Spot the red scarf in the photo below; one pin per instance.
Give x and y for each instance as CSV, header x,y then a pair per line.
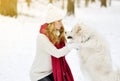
x,y
61,69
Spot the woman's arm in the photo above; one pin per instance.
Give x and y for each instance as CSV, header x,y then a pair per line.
x,y
46,45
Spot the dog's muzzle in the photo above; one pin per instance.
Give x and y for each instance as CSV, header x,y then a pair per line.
x,y
69,37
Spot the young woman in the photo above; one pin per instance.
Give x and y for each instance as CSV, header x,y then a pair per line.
x,y
49,63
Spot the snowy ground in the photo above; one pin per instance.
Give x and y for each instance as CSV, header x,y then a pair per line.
x,y
18,36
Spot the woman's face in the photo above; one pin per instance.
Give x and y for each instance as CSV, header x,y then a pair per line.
x,y
58,24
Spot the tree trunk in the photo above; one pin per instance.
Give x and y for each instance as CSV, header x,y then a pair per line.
x,y
70,7
104,3
63,4
92,0
86,3
28,2
50,1
110,1
8,7
78,3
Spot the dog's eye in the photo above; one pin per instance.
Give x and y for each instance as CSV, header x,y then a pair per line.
x,y
65,32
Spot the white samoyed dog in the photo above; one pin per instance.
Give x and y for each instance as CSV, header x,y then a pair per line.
x,y
94,54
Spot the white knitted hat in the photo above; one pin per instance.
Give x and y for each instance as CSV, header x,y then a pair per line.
x,y
53,14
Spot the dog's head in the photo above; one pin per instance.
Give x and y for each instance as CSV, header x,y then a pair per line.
x,y
79,33
72,35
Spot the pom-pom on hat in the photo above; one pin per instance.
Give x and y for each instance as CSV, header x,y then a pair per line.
x,y
53,14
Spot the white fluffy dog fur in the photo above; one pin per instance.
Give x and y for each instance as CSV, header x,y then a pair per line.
x,y
94,54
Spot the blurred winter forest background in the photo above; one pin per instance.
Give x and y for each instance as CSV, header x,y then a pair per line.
x,y
20,22
10,7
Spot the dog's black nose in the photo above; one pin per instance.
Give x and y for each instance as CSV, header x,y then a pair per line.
x,y
69,37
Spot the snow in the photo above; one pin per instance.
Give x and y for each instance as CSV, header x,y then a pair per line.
x,y
18,37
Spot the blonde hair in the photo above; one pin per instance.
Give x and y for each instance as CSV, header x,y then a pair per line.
x,y
51,33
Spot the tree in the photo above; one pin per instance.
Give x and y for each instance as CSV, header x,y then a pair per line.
x,y
110,1
70,7
92,0
50,1
63,4
8,7
86,3
104,3
78,3
28,2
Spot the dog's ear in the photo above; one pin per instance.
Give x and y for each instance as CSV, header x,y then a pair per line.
x,y
78,29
